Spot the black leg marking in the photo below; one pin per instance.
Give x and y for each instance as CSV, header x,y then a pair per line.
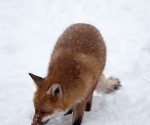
x,y
88,107
69,112
77,121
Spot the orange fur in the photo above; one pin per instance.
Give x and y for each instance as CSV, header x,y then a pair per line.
x,y
76,64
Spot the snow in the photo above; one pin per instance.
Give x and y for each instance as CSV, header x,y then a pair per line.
x,y
28,32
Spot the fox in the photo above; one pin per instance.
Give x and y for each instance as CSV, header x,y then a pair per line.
x,y
75,71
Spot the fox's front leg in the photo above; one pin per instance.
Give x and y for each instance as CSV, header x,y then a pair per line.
x,y
78,112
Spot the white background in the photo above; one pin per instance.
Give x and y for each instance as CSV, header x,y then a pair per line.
x,y
28,32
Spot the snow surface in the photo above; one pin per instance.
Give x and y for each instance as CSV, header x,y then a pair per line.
x,y
28,32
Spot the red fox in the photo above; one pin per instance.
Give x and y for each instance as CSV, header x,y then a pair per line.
x,y
75,71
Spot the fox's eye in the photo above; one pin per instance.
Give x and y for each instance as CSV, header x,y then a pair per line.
x,y
36,110
42,112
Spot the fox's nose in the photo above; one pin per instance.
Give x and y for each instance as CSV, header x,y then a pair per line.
x,y
41,123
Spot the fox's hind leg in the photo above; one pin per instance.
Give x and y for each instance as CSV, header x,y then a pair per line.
x,y
89,102
106,85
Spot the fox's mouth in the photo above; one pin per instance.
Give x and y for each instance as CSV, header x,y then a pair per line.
x,y
43,123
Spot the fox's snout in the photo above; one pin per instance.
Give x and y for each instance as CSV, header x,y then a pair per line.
x,y
41,123
38,122
38,117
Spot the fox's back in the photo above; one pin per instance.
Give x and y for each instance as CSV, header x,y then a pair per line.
x,y
83,38
80,40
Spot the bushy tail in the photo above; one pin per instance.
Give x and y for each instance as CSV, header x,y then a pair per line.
x,y
106,85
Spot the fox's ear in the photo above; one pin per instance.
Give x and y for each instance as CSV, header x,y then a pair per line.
x,y
55,90
38,80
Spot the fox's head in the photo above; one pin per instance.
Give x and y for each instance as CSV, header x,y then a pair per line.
x,y
48,100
